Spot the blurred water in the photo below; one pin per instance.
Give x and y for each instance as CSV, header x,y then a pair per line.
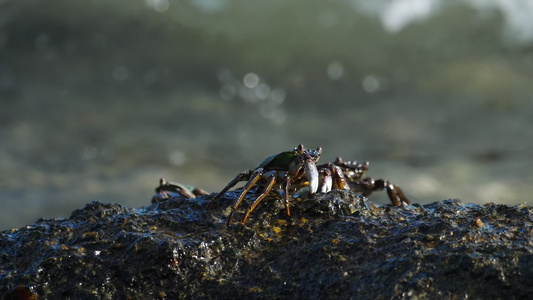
x,y
99,99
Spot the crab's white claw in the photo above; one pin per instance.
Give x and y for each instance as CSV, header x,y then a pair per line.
x,y
312,175
326,184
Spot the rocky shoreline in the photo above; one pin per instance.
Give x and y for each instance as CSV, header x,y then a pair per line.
x,y
335,245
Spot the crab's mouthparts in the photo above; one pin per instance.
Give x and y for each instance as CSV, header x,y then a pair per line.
x,y
312,176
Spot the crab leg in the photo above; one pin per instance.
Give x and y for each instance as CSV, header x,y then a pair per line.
x,y
339,180
369,185
240,177
396,195
270,184
256,175
199,192
287,181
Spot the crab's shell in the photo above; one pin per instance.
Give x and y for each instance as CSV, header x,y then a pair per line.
x,y
278,160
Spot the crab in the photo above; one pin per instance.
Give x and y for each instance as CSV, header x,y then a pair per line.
x,y
295,166
167,190
296,170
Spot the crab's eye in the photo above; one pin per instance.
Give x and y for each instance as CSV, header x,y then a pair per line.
x,y
300,149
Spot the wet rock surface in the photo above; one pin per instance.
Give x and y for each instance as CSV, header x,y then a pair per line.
x,y
334,245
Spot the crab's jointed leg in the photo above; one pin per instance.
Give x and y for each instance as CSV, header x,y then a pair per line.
x,y
286,191
254,178
396,195
368,185
243,176
270,183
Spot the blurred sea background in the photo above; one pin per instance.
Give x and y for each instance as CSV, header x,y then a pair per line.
x,y
101,98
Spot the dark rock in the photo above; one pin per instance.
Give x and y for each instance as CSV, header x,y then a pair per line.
x,y
334,245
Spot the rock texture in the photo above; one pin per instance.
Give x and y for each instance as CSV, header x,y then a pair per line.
x,y
335,245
